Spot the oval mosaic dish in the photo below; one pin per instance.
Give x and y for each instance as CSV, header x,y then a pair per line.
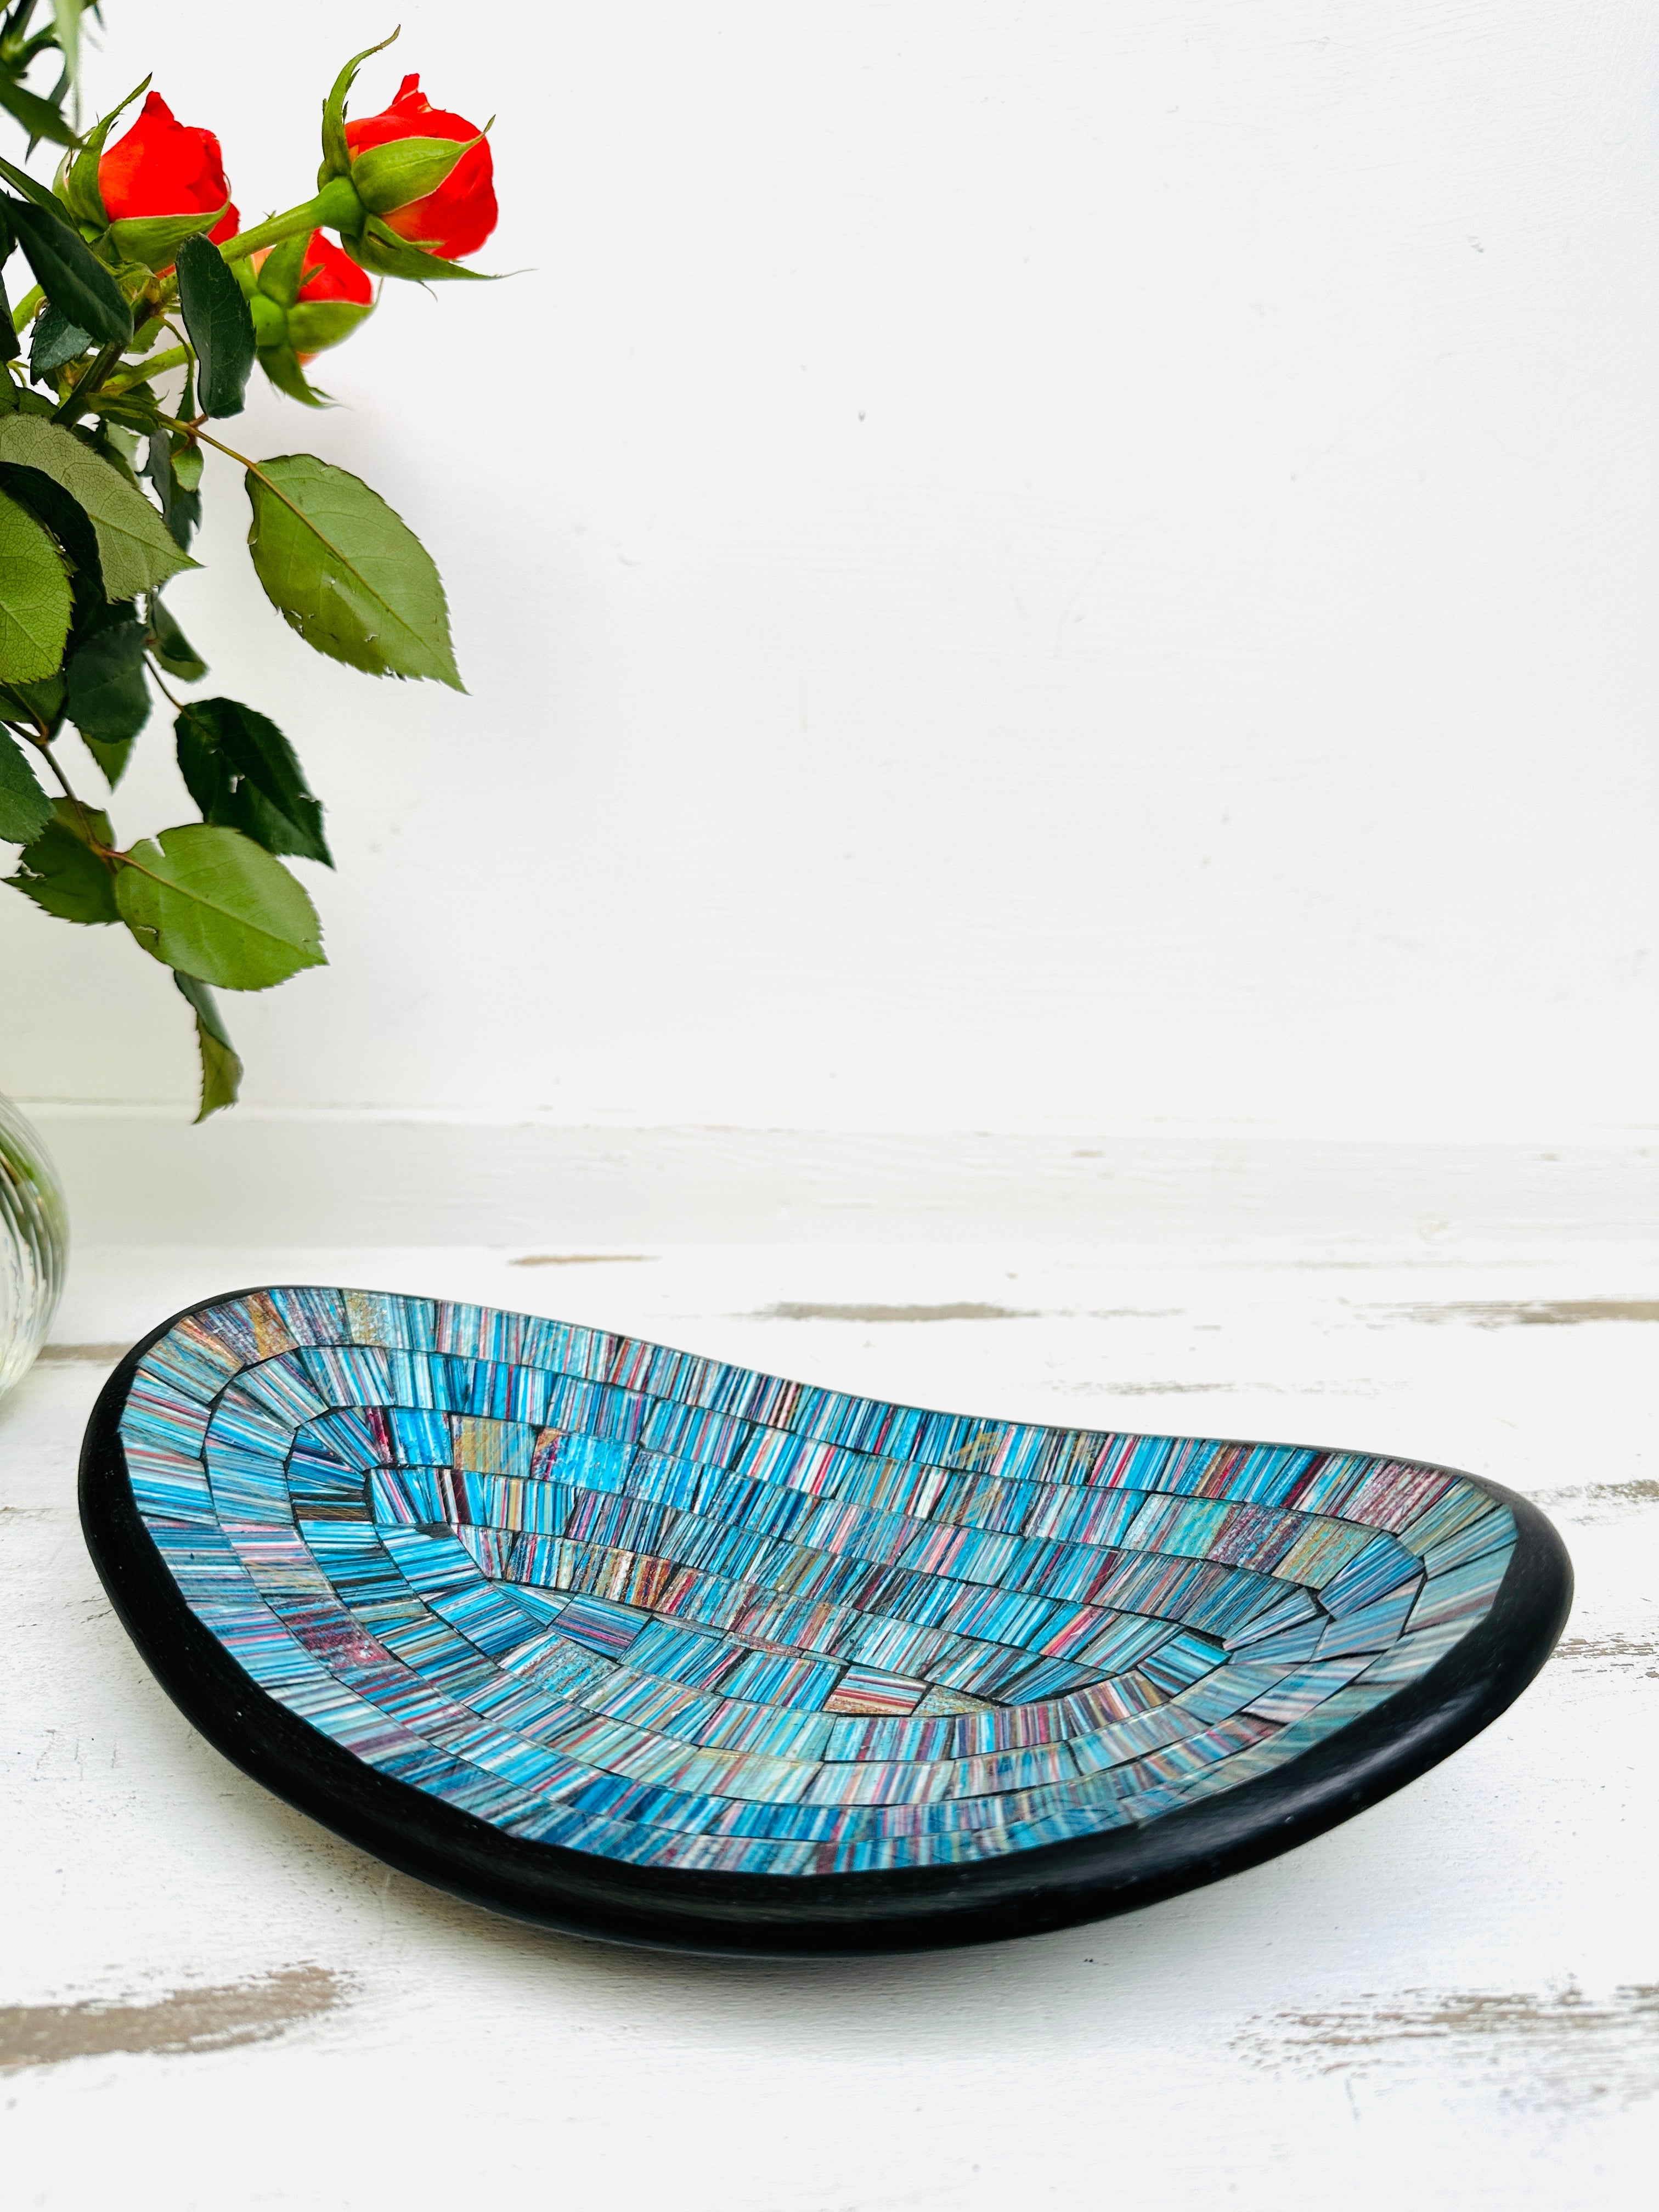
x,y
646,1646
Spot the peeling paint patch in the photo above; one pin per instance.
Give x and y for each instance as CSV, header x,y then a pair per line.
x,y
1173,1389
1539,1313
1609,1651
1592,1502
1556,2051
580,1259
1126,1313
180,2022
966,1311
1358,1386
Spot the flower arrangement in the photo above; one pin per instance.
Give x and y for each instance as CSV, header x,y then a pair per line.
x,y
150,308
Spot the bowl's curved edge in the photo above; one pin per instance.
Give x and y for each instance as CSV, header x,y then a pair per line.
x,y
1055,1886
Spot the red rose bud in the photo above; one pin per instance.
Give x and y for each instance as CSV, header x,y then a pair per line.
x,y
310,268
334,296
308,295
326,273
162,168
448,217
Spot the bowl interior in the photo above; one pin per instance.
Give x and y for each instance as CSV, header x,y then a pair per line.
x,y
663,1610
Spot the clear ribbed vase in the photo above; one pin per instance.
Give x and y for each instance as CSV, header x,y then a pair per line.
x,y
34,1243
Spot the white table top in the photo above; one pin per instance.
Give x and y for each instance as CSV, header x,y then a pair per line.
x,y
1451,2000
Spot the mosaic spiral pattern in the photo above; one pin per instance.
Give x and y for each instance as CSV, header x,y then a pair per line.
x,y
611,1596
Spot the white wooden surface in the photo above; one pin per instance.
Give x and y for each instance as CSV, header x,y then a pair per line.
x,y
1452,2002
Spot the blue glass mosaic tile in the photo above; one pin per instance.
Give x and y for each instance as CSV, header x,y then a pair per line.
x,y
622,1601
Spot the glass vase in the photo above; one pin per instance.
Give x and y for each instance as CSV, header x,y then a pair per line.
x,y
34,1243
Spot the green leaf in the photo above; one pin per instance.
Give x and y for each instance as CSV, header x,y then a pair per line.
x,y
383,253
221,1070
345,571
244,775
25,810
108,696
168,643
55,340
220,326
64,269
10,347
38,117
78,178
392,176
40,702
337,154
111,755
153,240
210,902
135,551
65,521
119,448
169,461
62,873
35,598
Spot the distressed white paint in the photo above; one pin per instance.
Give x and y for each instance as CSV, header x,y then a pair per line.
x,y
1039,561
1447,2002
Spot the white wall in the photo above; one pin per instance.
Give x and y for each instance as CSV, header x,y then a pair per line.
x,y
1016,565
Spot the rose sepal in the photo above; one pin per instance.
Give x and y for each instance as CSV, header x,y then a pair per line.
x,y
77,173
152,241
313,325
281,365
404,170
270,320
383,253
337,154
281,273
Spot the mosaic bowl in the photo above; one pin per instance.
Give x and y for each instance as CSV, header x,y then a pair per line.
x,y
641,1646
